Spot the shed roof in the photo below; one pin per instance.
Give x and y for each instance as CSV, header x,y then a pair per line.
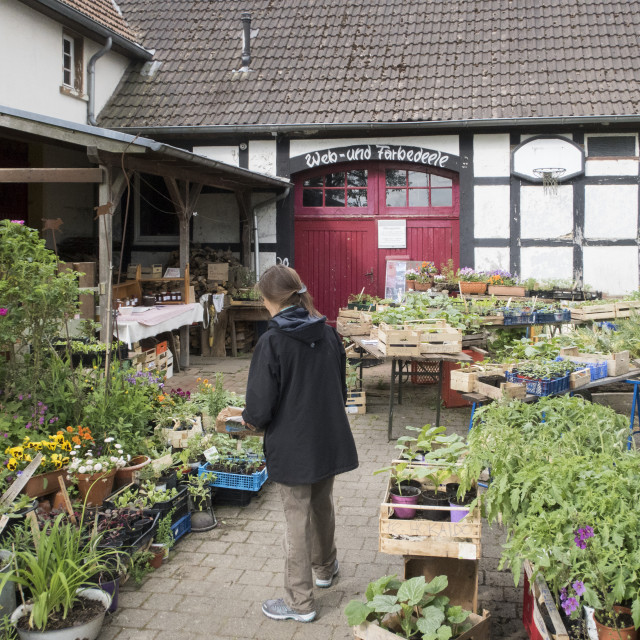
x,y
106,13
357,61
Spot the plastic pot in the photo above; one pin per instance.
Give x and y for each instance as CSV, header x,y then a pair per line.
x,y
8,593
87,631
437,500
410,495
112,587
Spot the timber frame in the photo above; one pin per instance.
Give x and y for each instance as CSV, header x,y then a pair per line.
x,y
117,157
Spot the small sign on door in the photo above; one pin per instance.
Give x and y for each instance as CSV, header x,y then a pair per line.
x,y
392,234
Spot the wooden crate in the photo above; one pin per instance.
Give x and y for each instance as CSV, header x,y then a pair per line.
x,y
421,537
507,390
579,378
437,336
347,327
594,312
626,307
462,575
536,598
617,363
481,630
465,379
179,439
356,402
353,314
395,340
492,320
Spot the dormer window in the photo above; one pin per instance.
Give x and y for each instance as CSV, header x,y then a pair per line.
x,y
72,65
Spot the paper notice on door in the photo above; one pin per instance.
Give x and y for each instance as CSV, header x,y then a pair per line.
x,y
467,551
392,234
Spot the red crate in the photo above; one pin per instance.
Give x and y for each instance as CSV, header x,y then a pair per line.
x,y
424,372
161,347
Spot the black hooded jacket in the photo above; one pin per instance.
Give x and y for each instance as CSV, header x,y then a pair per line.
x,y
297,392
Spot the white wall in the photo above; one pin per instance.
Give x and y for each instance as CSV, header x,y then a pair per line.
x,y
262,156
491,258
31,54
613,270
546,263
491,155
491,211
611,211
230,155
544,215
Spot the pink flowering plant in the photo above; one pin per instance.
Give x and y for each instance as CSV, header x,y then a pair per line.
x,y
467,274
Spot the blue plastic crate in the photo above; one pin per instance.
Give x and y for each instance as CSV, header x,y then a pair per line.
x,y
598,370
540,387
226,480
182,527
519,318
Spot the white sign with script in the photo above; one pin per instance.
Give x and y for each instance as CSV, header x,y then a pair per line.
x,y
392,234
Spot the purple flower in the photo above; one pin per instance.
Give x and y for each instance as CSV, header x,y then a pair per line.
x,y
17,221
3,311
580,543
28,425
563,594
39,403
41,421
578,587
6,435
20,397
570,605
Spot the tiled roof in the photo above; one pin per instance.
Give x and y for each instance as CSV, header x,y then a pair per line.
x,y
104,12
335,61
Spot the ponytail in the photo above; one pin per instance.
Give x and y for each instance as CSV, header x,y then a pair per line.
x,y
283,286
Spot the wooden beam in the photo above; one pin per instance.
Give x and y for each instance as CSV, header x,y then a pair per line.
x,y
50,174
105,230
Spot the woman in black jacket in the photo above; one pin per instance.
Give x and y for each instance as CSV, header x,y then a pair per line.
x,y
297,392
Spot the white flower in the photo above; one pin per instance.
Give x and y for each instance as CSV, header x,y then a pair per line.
x,y
113,459
109,440
98,467
77,446
117,446
82,470
73,453
128,457
90,454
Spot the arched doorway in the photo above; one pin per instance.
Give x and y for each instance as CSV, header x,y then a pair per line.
x,y
336,230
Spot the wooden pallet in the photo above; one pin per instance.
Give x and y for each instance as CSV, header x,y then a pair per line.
x,y
625,308
594,312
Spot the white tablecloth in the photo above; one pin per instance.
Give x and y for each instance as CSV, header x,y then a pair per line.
x,y
144,322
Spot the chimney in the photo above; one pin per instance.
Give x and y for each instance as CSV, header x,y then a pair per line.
x,y
246,40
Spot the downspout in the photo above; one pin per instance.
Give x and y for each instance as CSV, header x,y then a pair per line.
x,y
91,80
256,239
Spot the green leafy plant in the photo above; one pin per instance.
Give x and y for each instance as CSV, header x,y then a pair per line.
x,y
61,561
409,608
164,535
7,630
139,566
199,489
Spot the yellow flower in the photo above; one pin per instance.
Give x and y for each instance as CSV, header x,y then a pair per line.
x,y
50,445
36,446
17,452
27,458
66,446
12,465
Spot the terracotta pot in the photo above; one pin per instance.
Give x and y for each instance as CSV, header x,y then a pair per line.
x,y
127,475
410,285
423,286
610,633
473,287
45,483
158,551
94,488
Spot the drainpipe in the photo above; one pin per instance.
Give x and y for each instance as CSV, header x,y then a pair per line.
x,y
91,79
256,239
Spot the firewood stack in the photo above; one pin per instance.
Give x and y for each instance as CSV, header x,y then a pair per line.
x,y
199,257
245,337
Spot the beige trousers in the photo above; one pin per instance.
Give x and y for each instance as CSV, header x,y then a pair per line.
x,y
308,540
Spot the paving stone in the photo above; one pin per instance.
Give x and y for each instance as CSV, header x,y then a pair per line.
x,y
132,618
162,602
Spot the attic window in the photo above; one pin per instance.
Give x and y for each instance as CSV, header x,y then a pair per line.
x,y
611,146
72,64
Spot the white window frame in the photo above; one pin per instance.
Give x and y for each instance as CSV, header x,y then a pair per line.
x,y
66,38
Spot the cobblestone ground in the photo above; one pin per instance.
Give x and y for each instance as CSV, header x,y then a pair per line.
x,y
214,583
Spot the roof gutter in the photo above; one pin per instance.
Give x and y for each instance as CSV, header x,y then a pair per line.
x,y
64,10
312,127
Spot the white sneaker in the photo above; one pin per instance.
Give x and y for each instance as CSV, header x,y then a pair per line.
x,y
325,584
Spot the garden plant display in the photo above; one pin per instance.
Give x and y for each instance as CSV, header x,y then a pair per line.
x,y
564,483
410,609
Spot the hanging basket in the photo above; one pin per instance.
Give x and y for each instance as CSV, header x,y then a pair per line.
x,y
477,288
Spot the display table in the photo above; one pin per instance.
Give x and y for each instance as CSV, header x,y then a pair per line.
x,y
400,372
134,323
245,312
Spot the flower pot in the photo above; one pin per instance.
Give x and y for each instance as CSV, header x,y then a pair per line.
x,y
18,517
410,495
423,286
87,631
469,497
158,551
45,483
503,290
477,288
112,587
127,475
611,633
410,285
203,517
432,499
94,488
8,592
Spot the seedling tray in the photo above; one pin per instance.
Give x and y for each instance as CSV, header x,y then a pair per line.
x,y
226,480
540,387
180,503
598,370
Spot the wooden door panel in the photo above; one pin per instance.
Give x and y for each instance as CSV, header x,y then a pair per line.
x,y
333,258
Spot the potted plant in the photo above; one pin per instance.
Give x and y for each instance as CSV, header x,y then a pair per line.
x,y
409,609
94,474
502,283
203,517
410,278
163,540
471,281
56,571
424,277
400,490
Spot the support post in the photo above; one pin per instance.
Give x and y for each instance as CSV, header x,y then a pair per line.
x,y
105,267
243,198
